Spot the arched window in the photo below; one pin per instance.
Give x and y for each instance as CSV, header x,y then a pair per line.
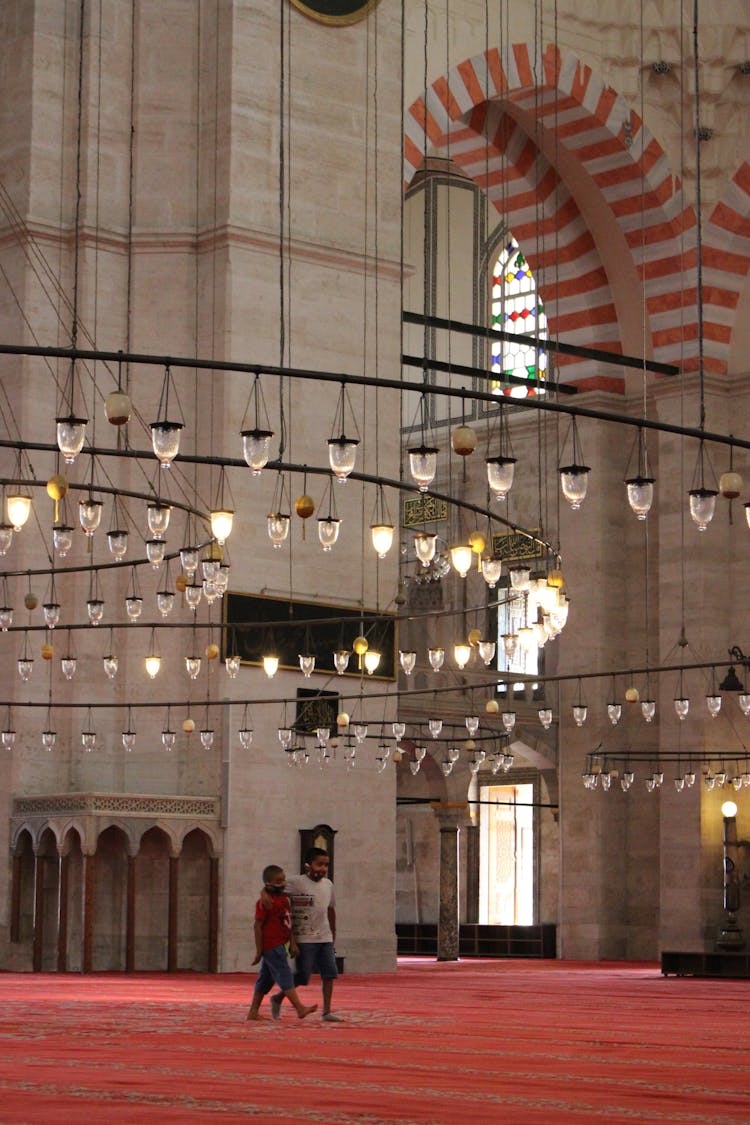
x,y
516,307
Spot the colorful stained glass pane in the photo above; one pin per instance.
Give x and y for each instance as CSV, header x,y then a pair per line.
x,y
516,308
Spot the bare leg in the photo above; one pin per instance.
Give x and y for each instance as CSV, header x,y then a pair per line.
x,y
301,1009
327,995
253,1014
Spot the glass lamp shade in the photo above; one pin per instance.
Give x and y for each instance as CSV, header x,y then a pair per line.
x,y
168,739
520,578
209,569
491,571
472,724
420,752
425,543
88,740
436,657
165,438
117,541
270,666
285,736
189,560
462,654
210,591
341,660
221,524
232,664
546,596
165,602
461,559
25,667
71,433
157,516
8,738
453,754
510,644
133,608
702,506
328,532
306,664
382,538
51,611
447,768
744,701
193,595
68,664
408,661
614,713
423,465
62,539
207,738
435,727
19,509
221,578
713,703
399,730
640,495
89,514
500,471
6,618
342,453
360,732
682,706
6,538
246,737
574,481
256,445
48,739
278,528
508,720
579,714
128,740
153,664
155,552
193,666
545,717
486,650
323,733
527,638
648,709
111,664
372,661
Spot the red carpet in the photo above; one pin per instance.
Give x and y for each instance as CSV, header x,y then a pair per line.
x,y
474,1041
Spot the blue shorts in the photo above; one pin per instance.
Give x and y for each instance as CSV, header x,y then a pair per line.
x,y
315,957
274,969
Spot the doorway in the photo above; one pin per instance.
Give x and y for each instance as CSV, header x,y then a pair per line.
x,y
506,855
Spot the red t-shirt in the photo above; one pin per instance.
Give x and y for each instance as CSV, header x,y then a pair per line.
x,y
276,919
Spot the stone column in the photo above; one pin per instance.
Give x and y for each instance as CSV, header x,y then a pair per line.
x,y
174,877
130,917
447,943
62,913
472,873
213,917
15,899
38,912
89,861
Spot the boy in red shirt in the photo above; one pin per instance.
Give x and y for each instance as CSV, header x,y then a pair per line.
x,y
273,929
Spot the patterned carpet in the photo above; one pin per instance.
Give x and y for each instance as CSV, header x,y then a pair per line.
x,y
472,1041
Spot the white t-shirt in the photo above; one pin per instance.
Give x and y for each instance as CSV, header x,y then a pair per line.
x,y
310,901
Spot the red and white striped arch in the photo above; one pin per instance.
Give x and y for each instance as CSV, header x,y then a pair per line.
x,y
471,111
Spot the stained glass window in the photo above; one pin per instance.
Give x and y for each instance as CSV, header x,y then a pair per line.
x,y
516,307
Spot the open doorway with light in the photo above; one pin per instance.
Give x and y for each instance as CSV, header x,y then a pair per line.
x,y
506,855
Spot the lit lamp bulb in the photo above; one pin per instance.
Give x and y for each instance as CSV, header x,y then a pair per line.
x,y
425,543
462,654
728,809
520,578
382,538
19,509
255,448
640,495
461,559
71,433
372,660
270,666
423,465
153,664
221,524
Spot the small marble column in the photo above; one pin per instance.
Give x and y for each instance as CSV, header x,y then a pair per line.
x,y
39,865
213,917
89,863
447,944
62,912
130,917
174,879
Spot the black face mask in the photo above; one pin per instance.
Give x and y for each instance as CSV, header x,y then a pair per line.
x,y
275,890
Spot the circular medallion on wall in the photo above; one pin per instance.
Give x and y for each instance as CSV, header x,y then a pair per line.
x,y
335,11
